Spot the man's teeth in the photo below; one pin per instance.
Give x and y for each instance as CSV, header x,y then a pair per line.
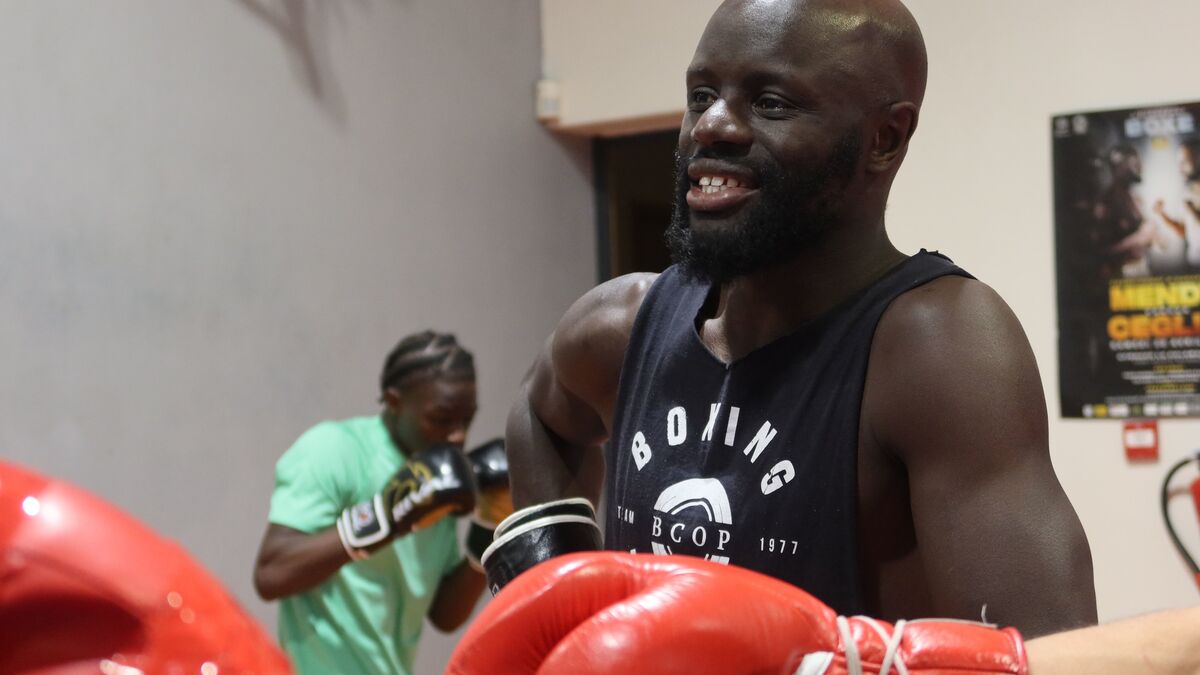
x,y
712,184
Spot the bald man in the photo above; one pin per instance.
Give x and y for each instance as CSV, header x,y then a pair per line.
x,y
795,395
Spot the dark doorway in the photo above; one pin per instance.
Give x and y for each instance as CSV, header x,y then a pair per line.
x,y
635,185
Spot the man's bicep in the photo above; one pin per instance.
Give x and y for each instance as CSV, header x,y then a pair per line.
x,y
1006,547
565,408
278,537
553,439
571,417
966,415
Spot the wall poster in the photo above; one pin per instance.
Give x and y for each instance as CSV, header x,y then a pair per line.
x,y
1127,238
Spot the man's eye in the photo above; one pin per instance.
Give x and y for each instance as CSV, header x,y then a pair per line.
x,y
772,104
701,98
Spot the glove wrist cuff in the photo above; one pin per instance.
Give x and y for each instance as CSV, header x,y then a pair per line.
x,y
364,526
536,534
574,506
354,554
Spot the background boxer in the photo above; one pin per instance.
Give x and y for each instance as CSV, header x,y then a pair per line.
x,y
796,396
375,490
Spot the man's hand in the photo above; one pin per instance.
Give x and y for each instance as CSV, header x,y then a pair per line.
x,y
431,485
493,503
489,464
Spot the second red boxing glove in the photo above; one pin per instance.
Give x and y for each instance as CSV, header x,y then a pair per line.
x,y
607,612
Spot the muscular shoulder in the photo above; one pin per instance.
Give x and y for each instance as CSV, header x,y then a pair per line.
x,y
591,338
947,308
951,354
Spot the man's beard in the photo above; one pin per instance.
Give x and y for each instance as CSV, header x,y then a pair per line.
x,y
794,210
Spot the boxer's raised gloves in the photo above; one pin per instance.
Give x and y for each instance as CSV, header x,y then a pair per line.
x,y
609,612
493,501
433,483
536,534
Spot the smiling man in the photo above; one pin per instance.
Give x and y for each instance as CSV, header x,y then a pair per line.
x,y
795,395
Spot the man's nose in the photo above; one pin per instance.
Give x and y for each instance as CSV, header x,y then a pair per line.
x,y
720,124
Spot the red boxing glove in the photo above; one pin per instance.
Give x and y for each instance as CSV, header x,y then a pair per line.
x,y
85,588
607,612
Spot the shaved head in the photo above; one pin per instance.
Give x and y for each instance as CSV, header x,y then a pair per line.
x,y
799,116
877,41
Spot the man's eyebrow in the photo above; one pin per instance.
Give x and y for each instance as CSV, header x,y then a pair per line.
x,y
765,71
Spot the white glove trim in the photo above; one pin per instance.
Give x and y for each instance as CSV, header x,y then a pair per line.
x,y
501,540
517,515
815,663
354,553
350,541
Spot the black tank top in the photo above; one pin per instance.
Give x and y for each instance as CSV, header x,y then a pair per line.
x,y
752,463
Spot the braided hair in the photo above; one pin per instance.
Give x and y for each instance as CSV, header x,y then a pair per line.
x,y
425,355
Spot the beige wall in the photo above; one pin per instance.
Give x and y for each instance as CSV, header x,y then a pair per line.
x,y
976,185
619,60
216,218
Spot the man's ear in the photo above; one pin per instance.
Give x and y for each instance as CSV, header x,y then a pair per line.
x,y
392,400
892,136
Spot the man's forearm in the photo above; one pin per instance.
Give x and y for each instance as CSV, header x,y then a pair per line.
x,y
292,562
456,597
1164,643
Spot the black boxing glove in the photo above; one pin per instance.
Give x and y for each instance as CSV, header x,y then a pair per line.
x,y
538,533
432,484
489,464
493,502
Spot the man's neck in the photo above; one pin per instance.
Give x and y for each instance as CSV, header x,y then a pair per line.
x,y
390,425
756,309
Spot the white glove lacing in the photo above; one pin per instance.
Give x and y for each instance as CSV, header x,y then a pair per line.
x,y
890,657
817,663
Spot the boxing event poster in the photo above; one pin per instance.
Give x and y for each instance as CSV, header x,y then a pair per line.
x,y
1127,235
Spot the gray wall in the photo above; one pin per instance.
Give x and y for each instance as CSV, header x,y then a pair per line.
x,y
216,217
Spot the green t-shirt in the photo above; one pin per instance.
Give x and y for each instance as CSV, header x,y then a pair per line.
x,y
367,617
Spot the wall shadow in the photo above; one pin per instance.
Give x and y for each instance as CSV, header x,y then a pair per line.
x,y
303,27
